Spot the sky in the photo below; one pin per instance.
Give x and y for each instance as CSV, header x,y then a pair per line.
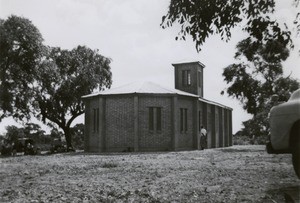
x,y
129,32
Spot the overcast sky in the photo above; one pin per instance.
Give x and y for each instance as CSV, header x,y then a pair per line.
x,y
129,32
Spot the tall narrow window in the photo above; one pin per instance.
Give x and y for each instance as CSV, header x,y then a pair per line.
x,y
189,82
155,119
183,120
199,79
186,78
151,118
158,119
199,121
96,120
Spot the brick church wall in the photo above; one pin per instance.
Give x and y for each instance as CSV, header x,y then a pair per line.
x,y
154,140
91,138
122,120
119,123
185,139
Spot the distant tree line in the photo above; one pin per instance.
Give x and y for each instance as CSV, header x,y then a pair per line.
x,y
39,136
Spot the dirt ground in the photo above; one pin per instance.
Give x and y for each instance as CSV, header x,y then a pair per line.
x,y
234,174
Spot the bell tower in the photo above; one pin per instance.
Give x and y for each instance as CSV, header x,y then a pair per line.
x,y
189,77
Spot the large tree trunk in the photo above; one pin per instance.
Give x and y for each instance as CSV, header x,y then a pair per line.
x,y
68,137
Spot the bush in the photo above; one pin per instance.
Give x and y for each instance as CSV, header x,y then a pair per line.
x,y
241,140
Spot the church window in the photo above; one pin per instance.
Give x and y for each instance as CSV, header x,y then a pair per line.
x,y
183,120
155,118
186,78
199,79
96,120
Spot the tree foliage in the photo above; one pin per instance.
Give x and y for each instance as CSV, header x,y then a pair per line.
x,y
78,136
55,133
34,131
63,78
258,74
13,133
200,19
21,49
43,81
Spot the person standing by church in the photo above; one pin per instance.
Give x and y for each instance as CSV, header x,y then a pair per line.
x,y
203,138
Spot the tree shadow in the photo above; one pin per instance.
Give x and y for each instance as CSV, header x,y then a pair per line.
x,y
230,150
290,194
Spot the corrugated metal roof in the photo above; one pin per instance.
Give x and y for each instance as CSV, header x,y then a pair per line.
x,y
150,88
141,87
214,103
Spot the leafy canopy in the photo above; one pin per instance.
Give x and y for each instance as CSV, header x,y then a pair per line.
x,y
21,49
254,78
63,77
258,74
43,81
200,19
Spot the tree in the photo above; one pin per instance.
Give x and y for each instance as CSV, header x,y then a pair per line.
x,y
46,82
20,52
55,133
34,131
78,135
13,133
257,75
200,19
63,78
258,71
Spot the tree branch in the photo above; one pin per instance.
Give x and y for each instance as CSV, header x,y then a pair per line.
x,y
73,117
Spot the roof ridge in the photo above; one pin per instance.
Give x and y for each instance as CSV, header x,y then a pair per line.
x,y
142,83
142,87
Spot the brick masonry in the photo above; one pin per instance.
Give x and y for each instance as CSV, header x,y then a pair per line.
x,y
154,140
196,71
123,121
185,139
91,137
117,124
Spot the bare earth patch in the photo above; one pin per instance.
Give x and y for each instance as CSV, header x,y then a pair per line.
x,y
234,174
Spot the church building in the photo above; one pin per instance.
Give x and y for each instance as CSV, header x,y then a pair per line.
x,y
145,116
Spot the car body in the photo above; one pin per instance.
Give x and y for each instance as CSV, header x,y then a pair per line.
x,y
284,128
282,118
